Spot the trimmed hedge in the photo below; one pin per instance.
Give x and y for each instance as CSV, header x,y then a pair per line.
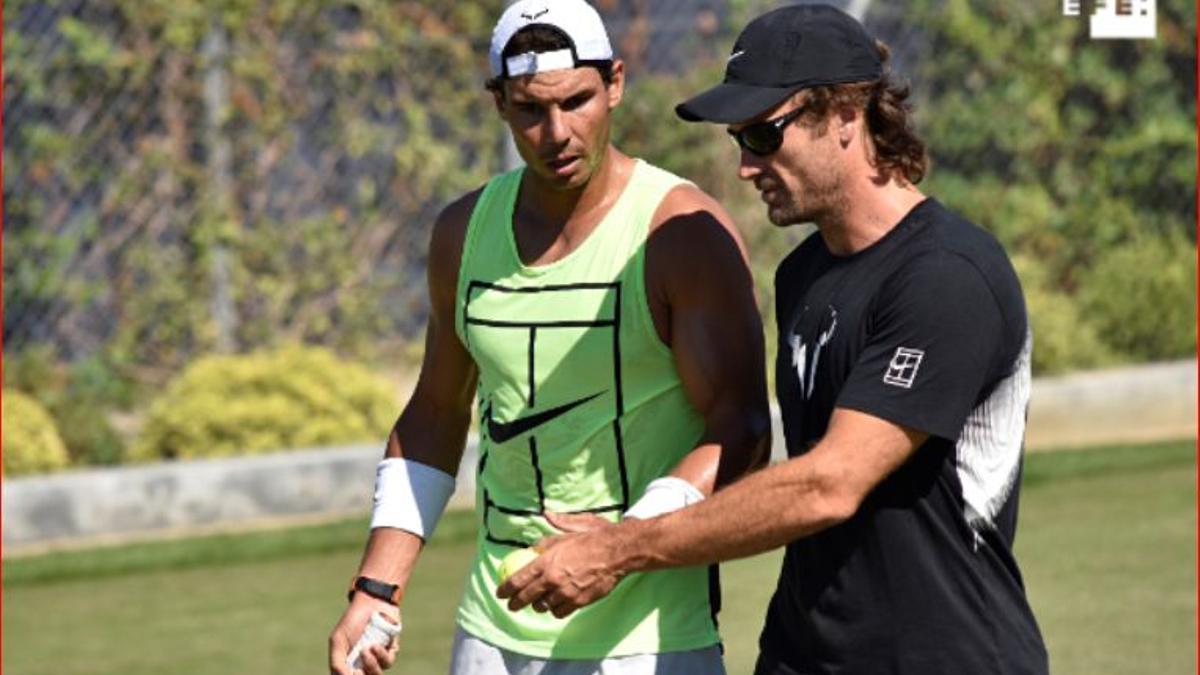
x,y
32,443
1062,339
1141,296
274,400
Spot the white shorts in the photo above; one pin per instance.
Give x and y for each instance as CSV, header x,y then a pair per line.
x,y
472,656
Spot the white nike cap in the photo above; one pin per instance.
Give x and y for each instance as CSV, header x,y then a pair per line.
x,y
578,20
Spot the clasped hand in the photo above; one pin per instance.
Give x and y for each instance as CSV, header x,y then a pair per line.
x,y
573,569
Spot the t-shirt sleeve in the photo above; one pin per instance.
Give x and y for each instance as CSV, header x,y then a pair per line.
x,y
935,330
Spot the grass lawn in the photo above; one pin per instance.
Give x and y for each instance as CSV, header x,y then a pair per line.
x,y
1107,542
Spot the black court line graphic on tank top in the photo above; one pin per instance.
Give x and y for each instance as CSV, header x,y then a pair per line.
x,y
503,431
531,397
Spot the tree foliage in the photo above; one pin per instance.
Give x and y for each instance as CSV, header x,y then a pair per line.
x,y
307,146
1079,154
312,148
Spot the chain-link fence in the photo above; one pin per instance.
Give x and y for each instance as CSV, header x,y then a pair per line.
x,y
190,178
193,176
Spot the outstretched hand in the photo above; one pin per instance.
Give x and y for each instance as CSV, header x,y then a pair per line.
x,y
573,569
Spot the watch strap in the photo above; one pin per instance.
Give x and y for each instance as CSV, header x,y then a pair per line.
x,y
375,588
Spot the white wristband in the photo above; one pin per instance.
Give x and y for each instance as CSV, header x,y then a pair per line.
x,y
664,495
410,496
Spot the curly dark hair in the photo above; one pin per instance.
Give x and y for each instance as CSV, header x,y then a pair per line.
x,y
899,152
542,38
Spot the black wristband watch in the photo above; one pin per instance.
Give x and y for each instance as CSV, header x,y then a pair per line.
x,y
376,589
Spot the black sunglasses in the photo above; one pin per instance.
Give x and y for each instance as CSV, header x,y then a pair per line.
x,y
764,138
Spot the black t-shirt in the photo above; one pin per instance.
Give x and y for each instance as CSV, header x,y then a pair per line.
x,y
926,328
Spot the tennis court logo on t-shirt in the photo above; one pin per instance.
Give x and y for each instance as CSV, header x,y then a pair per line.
x,y
903,368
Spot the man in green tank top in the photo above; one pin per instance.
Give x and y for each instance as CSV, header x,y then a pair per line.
x,y
601,312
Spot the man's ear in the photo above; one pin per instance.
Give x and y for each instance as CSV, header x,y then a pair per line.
x,y
849,120
616,88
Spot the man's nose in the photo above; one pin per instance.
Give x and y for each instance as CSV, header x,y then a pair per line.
x,y
749,165
555,126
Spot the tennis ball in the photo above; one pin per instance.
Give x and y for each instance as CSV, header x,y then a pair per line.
x,y
515,561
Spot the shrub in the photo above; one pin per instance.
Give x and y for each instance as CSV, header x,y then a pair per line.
x,y
80,396
1141,295
1062,339
289,398
31,441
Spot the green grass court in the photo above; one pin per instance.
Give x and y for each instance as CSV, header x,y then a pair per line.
x,y
1106,540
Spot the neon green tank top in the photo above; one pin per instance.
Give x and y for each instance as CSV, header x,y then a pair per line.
x,y
580,408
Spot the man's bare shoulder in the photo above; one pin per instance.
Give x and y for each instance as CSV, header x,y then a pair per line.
x,y
453,220
688,218
685,199
447,239
450,226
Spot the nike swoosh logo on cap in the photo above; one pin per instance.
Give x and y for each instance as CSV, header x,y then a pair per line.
x,y
503,431
735,55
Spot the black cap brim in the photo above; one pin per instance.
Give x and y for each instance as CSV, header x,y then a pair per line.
x,y
732,103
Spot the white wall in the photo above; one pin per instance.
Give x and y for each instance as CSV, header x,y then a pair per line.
x,y
1156,402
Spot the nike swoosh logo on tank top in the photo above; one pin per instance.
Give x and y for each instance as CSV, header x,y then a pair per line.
x,y
503,431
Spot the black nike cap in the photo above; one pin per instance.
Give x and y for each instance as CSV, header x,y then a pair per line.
x,y
782,52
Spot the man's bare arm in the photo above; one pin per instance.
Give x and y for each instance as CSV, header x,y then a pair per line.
x,y
433,427
699,278
431,430
778,505
760,512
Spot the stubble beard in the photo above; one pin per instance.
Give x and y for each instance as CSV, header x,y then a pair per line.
x,y
818,198
786,214
810,206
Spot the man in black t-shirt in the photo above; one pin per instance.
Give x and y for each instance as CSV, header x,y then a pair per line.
x,y
903,377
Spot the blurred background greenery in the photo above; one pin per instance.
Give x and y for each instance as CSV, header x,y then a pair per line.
x,y
202,177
